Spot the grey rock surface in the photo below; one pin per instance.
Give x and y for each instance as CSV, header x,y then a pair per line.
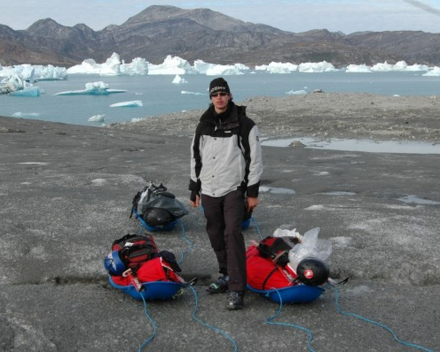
x,y
66,194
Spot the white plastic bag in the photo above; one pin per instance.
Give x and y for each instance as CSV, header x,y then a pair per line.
x,y
310,246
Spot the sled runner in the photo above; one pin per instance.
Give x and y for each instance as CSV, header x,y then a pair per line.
x,y
154,290
293,294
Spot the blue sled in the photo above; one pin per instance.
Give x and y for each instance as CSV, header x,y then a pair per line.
x,y
166,227
291,294
152,291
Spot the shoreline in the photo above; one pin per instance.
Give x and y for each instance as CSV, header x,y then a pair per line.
x,y
321,116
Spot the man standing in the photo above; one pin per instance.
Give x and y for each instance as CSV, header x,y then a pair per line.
x,y
226,166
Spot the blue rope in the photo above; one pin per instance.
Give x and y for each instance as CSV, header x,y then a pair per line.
x,y
206,324
153,335
373,322
257,227
190,244
268,321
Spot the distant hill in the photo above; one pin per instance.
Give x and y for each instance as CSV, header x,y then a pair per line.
x,y
203,34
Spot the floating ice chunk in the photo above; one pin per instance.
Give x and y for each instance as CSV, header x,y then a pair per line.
x,y
433,72
138,66
312,67
137,119
171,65
27,92
358,69
297,92
224,70
278,67
127,104
113,66
25,114
179,80
97,118
93,88
192,93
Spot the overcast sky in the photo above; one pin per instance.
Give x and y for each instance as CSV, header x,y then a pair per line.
x,y
347,16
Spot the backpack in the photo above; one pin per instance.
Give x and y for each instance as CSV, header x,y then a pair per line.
x,y
264,274
131,251
157,206
156,269
275,248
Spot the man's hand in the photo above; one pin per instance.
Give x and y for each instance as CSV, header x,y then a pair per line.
x,y
252,203
194,199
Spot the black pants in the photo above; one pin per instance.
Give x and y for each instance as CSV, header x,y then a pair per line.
x,y
224,216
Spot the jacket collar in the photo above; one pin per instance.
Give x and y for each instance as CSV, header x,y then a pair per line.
x,y
226,120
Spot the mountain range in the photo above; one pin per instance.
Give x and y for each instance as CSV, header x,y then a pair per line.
x,y
213,37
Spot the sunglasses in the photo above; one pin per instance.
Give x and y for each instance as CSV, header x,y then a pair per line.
x,y
217,94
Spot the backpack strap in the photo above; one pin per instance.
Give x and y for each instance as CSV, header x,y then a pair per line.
x,y
134,203
268,277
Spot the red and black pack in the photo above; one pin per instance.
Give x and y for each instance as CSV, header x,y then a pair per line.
x,y
275,248
135,249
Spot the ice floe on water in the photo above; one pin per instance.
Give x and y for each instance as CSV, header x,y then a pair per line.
x,y
127,104
179,80
93,88
97,118
191,93
358,145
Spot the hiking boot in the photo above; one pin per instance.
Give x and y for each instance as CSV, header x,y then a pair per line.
x,y
236,300
220,286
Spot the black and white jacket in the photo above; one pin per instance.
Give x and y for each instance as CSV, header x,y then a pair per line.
x,y
226,153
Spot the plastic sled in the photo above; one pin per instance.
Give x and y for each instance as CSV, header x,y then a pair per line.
x,y
245,224
291,294
154,290
167,227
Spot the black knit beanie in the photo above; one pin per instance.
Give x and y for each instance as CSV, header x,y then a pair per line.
x,y
218,85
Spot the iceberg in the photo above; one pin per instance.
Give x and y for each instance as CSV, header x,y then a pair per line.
x,y
226,70
96,118
278,67
171,66
33,73
312,67
25,114
127,104
27,92
191,93
297,92
93,88
18,86
433,72
174,65
113,66
138,66
358,69
201,66
179,80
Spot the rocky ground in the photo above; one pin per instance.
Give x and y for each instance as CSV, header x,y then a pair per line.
x,y
323,116
66,194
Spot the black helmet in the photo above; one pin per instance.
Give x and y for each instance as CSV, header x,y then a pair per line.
x,y
312,271
157,217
